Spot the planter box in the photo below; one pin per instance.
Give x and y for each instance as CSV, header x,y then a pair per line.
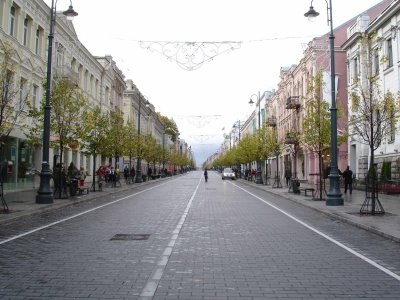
x,y
271,122
290,140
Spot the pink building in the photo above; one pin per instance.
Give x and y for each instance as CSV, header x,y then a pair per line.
x,y
290,100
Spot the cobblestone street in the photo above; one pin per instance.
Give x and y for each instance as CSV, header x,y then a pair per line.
x,y
183,238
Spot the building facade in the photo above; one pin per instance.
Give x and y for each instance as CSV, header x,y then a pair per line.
x,y
373,50
25,25
286,107
289,104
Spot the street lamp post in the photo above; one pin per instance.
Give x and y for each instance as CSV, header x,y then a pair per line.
x,y
139,177
163,154
334,196
45,193
258,175
236,125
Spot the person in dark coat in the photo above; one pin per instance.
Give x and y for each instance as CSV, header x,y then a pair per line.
x,y
348,180
288,175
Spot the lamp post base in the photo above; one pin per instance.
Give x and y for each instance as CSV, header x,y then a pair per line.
x,y
258,175
139,178
334,196
334,200
45,193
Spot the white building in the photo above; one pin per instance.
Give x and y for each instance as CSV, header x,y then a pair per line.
x,y
25,25
383,50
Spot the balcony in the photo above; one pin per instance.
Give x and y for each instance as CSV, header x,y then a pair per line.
x,y
271,122
66,72
291,138
293,102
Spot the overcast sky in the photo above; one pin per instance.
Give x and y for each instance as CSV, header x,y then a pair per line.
x,y
272,34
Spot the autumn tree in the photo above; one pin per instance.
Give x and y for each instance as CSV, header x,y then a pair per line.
x,y
248,149
93,135
316,125
116,137
170,127
131,147
14,96
274,146
151,150
68,104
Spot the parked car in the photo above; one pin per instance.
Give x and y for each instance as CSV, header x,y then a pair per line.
x,y
228,173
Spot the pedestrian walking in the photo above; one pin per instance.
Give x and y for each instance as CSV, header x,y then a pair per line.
x,y
126,172
112,177
82,176
288,175
348,180
205,175
101,176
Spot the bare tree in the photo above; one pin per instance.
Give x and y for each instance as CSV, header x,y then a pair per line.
x,y
375,114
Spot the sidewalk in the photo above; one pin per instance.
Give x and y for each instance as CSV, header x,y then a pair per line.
x,y
22,204
387,225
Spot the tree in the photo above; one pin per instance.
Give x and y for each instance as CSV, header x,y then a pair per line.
x,y
14,96
68,104
93,135
374,114
316,125
247,149
130,148
265,144
170,127
117,136
150,150
275,147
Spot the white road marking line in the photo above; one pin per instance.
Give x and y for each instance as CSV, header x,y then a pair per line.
x,y
75,216
359,255
152,283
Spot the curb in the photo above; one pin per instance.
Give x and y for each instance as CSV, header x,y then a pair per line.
x,y
336,216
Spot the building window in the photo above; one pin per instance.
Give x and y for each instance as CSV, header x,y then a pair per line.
x,y
22,94
389,49
35,96
25,41
376,62
7,84
355,68
12,20
392,128
37,42
107,96
91,92
85,81
60,55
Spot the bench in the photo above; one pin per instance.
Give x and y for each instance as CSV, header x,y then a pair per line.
x,y
82,189
308,190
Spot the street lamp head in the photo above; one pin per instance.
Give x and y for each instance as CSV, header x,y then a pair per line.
x,y
251,102
70,13
311,14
